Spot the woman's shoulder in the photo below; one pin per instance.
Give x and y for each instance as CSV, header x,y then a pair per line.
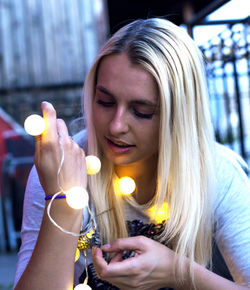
x,y
229,160
232,181
231,212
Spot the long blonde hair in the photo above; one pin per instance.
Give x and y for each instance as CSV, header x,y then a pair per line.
x,y
185,165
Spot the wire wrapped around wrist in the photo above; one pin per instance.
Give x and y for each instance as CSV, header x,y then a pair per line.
x,y
82,232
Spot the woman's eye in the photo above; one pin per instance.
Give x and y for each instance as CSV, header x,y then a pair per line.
x,y
143,115
105,103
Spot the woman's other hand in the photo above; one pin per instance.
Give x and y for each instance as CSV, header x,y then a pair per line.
x,y
48,155
150,268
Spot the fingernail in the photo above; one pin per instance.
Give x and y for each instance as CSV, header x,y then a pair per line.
x,y
107,246
48,105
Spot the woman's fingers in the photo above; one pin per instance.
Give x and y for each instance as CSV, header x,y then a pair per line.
x,y
118,257
117,267
98,261
54,146
49,115
62,129
126,244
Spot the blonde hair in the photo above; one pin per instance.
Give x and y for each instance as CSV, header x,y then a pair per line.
x,y
185,164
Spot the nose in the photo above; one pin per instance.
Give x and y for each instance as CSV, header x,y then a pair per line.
x,y
119,123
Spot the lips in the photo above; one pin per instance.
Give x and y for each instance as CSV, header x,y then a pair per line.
x,y
118,146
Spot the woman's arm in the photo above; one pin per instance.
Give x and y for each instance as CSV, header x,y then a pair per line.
x,y
51,265
232,215
152,267
207,280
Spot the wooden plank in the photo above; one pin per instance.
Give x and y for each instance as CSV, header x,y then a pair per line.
x,y
15,24
34,29
90,39
21,44
28,43
68,70
2,74
7,64
75,40
42,56
54,33
49,43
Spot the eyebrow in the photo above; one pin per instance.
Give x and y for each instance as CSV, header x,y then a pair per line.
x,y
137,101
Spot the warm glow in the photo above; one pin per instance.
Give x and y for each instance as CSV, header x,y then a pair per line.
x,y
77,197
34,125
161,215
90,234
77,256
126,185
82,287
93,164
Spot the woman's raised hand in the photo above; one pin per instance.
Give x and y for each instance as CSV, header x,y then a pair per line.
x,y
150,268
48,155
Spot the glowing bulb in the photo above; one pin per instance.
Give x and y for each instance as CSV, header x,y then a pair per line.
x,y
162,214
82,287
77,197
93,164
77,256
34,125
126,185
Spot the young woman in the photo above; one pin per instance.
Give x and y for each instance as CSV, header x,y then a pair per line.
x,y
147,114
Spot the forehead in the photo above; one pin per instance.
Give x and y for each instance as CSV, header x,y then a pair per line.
x,y
122,78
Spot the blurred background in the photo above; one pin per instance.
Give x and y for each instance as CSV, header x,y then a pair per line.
x,y
46,49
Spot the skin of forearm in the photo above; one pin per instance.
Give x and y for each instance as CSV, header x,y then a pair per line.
x,y
52,263
207,280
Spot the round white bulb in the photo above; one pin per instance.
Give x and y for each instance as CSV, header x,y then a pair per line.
x,y
126,185
77,197
82,287
93,164
34,125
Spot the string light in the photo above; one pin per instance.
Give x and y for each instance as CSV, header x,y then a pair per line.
x,y
77,197
160,215
82,287
126,185
34,125
93,164
77,256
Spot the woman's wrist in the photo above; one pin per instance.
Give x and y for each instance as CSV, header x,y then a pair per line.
x,y
63,214
181,274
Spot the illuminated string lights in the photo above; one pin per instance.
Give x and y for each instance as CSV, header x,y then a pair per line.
x,y
126,185
82,287
93,164
34,125
77,255
161,214
77,197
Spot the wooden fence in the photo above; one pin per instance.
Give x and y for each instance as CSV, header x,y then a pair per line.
x,y
46,48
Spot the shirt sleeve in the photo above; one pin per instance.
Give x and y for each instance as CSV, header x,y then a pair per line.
x,y
232,217
32,217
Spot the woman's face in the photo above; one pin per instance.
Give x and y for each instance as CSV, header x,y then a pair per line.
x,y
126,111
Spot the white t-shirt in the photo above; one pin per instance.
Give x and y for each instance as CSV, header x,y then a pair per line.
x,y
231,213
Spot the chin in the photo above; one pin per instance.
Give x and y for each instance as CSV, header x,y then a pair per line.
x,y
120,160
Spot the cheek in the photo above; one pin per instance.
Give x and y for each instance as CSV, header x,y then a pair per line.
x,y
155,135
100,119
96,119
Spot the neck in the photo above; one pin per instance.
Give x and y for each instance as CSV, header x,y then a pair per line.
x,y
144,174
